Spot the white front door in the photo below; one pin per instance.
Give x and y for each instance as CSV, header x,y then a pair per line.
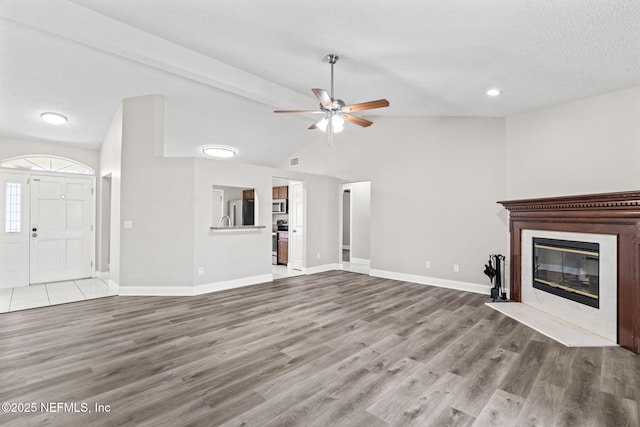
x,y
296,226
61,228
14,235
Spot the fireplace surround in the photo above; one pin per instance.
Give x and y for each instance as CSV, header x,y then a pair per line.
x,y
616,214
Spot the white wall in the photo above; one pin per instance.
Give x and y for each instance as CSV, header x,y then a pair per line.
x,y
230,255
157,196
237,255
433,198
583,147
110,165
168,201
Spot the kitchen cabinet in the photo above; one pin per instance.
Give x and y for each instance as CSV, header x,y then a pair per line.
x,y
248,195
283,247
280,192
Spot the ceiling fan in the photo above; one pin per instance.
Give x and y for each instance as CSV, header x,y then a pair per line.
x,y
334,111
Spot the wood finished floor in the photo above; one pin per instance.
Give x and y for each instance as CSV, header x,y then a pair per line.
x,y
328,349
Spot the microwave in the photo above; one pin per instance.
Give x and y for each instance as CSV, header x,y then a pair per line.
x,y
279,206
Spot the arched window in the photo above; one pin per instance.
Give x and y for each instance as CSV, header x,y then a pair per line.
x,y
47,164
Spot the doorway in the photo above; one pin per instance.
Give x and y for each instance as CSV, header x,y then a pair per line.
x,y
346,225
104,249
288,231
355,233
48,221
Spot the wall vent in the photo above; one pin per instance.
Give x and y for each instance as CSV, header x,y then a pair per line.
x,y
294,161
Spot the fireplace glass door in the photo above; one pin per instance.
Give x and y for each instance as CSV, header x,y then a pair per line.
x,y
567,269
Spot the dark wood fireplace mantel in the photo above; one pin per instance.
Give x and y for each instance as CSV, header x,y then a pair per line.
x,y
607,213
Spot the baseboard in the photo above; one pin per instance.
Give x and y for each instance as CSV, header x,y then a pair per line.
x,y
113,286
204,288
231,284
360,261
104,275
321,268
164,291
433,281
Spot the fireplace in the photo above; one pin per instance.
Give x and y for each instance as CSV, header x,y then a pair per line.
x,y
613,216
568,269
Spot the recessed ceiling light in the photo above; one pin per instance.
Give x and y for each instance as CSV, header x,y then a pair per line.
x,y
219,151
54,118
493,92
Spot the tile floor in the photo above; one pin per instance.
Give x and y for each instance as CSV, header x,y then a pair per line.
x,y
281,271
13,299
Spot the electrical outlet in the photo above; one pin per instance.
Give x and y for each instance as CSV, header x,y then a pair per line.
x,y
456,268
200,271
428,264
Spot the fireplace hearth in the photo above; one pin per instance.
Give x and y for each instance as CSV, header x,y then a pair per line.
x,y
612,214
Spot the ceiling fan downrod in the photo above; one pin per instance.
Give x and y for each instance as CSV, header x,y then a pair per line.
x,y
332,58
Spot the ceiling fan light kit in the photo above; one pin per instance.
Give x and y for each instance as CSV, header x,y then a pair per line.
x,y
335,111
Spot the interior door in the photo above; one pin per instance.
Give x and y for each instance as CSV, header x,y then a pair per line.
x,y
297,226
61,228
14,235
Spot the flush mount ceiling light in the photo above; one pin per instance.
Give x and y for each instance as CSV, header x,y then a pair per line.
x,y
219,151
53,118
493,92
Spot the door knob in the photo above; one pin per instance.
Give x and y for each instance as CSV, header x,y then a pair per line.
x,y
34,235
34,229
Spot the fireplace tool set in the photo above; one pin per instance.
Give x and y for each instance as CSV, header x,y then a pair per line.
x,y
498,291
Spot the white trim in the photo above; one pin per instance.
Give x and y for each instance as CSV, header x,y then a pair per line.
x,y
360,261
433,281
113,285
102,275
126,290
194,290
321,268
346,247
355,267
231,284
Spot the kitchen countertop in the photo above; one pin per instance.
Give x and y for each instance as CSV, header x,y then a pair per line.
x,y
237,227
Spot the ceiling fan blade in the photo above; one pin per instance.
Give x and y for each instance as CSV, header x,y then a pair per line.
x,y
323,97
357,120
298,111
379,103
315,124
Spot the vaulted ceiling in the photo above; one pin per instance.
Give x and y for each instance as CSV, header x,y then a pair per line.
x,y
223,66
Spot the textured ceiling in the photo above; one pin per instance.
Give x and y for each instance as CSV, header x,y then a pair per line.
x,y
223,66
